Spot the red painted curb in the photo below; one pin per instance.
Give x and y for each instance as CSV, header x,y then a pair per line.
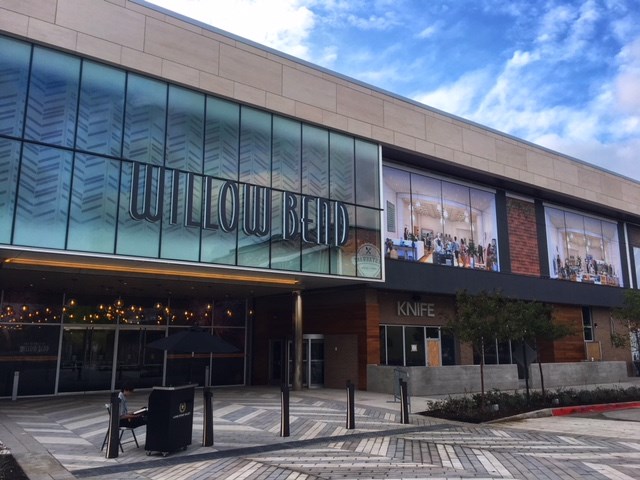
x,y
600,407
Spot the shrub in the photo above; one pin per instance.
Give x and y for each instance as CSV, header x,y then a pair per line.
x,y
468,408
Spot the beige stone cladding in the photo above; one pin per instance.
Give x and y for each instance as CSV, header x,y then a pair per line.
x,y
144,38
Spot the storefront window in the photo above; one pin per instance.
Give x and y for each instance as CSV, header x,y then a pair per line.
x,y
416,346
394,341
582,249
440,222
31,350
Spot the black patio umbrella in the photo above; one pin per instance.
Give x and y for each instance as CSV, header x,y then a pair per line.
x,y
193,340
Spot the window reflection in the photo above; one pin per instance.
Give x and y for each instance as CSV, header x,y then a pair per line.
x,y
582,249
435,221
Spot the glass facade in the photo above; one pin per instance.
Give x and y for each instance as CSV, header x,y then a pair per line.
x,y
440,222
416,346
111,162
582,248
61,344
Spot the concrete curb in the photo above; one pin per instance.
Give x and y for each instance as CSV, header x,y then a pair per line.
x,y
561,411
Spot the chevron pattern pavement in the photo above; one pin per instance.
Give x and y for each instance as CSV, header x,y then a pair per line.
x,y
247,444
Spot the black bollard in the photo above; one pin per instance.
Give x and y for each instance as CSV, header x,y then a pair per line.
x,y
404,402
207,418
113,436
284,420
351,417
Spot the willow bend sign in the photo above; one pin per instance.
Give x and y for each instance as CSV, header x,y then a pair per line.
x,y
226,205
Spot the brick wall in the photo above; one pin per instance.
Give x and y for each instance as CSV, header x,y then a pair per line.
x,y
523,237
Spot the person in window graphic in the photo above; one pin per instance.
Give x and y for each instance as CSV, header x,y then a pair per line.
x,y
129,420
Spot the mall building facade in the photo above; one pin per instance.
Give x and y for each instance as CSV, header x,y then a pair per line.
x,y
158,174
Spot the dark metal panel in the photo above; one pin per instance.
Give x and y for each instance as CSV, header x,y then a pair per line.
x,y
625,253
420,278
504,250
543,248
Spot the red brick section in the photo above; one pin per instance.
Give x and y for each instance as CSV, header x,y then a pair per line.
x,y
523,237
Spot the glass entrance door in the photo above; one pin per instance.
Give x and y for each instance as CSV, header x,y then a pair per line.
x,y
312,361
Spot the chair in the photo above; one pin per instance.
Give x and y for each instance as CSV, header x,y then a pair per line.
x,y
122,430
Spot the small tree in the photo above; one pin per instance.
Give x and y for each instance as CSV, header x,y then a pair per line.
x,y
479,318
530,321
629,315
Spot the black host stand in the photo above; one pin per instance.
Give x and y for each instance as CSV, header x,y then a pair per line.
x,y
169,419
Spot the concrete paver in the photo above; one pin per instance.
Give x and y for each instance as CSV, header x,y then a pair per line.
x,y
60,438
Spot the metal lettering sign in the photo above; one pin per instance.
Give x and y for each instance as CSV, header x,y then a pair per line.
x,y
415,309
316,220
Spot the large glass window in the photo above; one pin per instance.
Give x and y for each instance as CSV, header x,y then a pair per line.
x,y
416,346
222,133
440,222
92,222
342,168
101,109
140,193
582,248
31,350
367,174
14,71
149,169
9,164
43,197
145,120
53,98
255,147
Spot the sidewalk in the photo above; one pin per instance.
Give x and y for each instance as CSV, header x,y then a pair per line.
x,y
60,438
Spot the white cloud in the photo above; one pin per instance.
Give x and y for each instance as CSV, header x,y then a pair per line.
x,y
284,25
627,83
457,97
373,22
428,32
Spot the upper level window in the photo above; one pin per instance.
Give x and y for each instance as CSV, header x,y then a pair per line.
x,y
582,249
633,234
436,221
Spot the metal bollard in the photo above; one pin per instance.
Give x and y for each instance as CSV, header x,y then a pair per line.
x,y
284,418
404,402
16,381
351,417
207,418
113,437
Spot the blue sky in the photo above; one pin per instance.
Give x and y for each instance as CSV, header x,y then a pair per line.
x,y
561,74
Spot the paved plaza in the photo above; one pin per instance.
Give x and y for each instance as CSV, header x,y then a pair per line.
x,y
60,438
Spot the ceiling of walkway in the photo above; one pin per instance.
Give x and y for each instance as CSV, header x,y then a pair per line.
x,y
77,275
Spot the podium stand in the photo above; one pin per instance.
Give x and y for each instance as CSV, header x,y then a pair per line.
x,y
169,419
